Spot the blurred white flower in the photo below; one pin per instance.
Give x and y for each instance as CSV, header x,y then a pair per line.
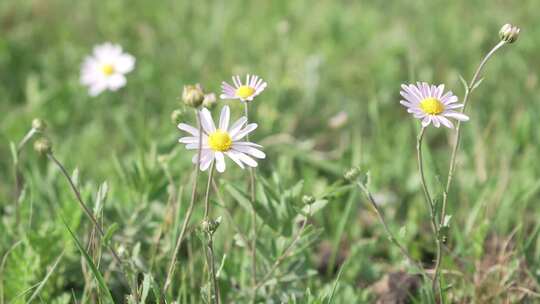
x,y
105,68
245,92
428,103
223,140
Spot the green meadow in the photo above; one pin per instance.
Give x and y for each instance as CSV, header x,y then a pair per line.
x,y
334,71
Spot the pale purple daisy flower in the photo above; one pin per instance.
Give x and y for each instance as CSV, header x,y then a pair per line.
x,y
245,92
221,141
428,103
105,68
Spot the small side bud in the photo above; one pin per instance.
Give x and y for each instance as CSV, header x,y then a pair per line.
x,y
210,100
308,199
176,116
163,159
193,95
509,33
352,174
210,226
39,125
43,146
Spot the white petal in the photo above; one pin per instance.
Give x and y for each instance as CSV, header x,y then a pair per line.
x,y
189,140
249,150
189,129
237,82
237,126
426,121
248,129
415,92
436,121
116,81
225,96
447,123
453,106
205,163
224,118
440,90
220,162
97,87
205,153
234,156
124,63
247,160
247,144
206,121
449,99
456,115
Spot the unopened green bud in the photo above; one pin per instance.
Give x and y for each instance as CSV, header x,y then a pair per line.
x,y
193,95
352,174
210,226
308,199
43,146
39,125
509,33
210,100
176,116
163,159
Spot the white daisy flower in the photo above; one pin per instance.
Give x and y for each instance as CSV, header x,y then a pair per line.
x,y
428,103
221,141
105,68
245,92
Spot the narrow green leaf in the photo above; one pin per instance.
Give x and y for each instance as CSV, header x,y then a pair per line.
x,y
93,268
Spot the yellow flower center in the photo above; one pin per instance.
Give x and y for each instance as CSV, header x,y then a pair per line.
x,y
245,91
220,141
432,106
107,69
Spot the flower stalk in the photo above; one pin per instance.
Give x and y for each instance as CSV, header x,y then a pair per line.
x,y
209,228
189,213
253,216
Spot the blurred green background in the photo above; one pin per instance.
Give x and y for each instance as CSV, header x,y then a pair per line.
x,y
319,58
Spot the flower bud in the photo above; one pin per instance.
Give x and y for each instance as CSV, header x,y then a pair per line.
x,y
509,33
176,116
210,100
210,226
352,174
193,95
39,125
43,146
308,199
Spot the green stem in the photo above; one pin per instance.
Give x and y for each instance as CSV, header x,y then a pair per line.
x,y
436,284
94,221
468,90
253,218
210,244
172,264
389,233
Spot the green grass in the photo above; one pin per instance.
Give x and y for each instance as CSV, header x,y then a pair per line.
x,y
319,58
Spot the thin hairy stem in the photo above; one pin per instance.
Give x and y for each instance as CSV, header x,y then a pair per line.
x,y
253,215
210,233
207,195
18,178
282,257
92,218
431,206
389,233
468,90
429,200
189,213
